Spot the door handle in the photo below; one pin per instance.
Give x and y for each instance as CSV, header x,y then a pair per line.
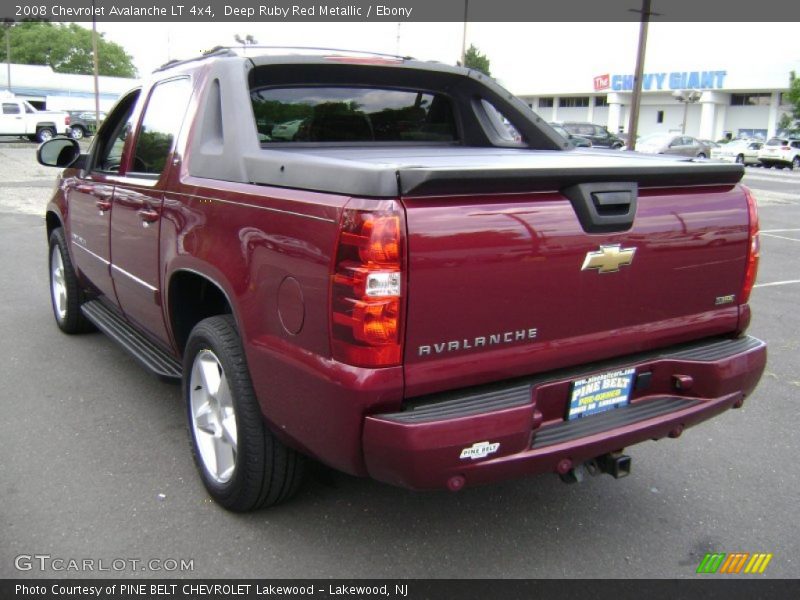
x,y
148,215
103,205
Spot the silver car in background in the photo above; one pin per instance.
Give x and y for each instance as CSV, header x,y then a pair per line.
x,y
673,143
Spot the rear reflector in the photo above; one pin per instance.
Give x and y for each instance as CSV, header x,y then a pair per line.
x,y
753,247
366,286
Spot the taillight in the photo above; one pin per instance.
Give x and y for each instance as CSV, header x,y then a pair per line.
x,y
753,247
67,120
366,286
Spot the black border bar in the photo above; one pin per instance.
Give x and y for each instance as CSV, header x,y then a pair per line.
x,y
400,10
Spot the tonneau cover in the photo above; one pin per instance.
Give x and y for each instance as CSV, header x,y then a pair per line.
x,y
389,171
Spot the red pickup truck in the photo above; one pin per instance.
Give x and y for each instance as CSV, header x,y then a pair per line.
x,y
398,269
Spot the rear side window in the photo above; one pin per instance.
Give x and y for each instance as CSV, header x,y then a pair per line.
x,y
352,114
10,108
160,126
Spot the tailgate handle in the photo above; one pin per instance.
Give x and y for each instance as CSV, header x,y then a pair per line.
x,y
604,207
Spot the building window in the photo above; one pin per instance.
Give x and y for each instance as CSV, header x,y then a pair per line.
x,y
546,102
660,116
577,102
755,99
601,100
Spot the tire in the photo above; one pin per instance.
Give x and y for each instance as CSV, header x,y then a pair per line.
x,y
44,134
77,132
66,295
241,463
740,159
701,155
766,165
795,163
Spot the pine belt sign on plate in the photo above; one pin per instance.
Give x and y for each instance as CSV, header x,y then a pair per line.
x,y
599,393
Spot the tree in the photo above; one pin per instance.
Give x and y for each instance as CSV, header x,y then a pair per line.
x,y
67,48
473,59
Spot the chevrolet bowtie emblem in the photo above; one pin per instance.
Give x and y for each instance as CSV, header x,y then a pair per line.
x,y
608,259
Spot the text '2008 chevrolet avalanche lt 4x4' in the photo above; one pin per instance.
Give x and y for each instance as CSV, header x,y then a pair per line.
x,y
396,268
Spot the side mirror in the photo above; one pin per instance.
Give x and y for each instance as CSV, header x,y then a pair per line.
x,y
60,152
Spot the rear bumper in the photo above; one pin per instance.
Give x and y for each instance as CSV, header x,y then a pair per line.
x,y
422,447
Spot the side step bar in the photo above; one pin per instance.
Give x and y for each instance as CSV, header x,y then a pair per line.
x,y
152,358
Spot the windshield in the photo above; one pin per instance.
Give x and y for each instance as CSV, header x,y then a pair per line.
x,y
351,114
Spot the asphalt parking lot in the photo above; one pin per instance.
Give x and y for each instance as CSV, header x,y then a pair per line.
x,y
96,461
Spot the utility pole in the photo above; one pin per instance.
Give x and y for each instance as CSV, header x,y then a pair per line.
x,y
636,98
96,71
8,24
464,35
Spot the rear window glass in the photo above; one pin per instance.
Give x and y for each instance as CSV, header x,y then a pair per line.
x,y
776,142
350,114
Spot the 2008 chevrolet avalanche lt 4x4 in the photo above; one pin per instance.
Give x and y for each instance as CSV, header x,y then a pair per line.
x,y
398,269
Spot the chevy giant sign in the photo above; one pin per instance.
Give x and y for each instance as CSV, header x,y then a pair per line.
x,y
677,80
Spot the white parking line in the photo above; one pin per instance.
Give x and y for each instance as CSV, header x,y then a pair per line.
x,y
760,285
782,237
778,230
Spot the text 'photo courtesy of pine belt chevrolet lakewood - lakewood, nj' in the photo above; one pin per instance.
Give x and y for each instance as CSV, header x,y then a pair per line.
x,y
396,268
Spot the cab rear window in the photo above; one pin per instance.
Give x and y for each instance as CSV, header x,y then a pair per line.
x,y
351,114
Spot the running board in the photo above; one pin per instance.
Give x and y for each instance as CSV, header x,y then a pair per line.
x,y
152,358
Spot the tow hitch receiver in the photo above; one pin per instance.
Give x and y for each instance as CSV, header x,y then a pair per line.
x,y
615,464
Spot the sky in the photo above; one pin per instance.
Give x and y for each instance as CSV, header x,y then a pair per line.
x,y
521,54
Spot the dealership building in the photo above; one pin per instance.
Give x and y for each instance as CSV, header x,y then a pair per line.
x,y
47,90
714,102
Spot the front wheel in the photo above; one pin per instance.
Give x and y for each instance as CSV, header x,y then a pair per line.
x,y
740,159
77,133
65,290
242,465
701,155
796,162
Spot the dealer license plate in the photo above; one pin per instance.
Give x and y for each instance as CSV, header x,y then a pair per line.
x,y
600,393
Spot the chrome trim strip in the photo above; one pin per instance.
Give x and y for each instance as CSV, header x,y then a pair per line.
x,y
133,277
85,249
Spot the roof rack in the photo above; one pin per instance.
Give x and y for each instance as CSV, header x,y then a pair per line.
x,y
216,51
236,50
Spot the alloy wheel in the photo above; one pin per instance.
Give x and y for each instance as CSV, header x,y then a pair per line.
x,y
213,416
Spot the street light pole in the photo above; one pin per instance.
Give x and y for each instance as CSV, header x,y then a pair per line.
x,y
633,119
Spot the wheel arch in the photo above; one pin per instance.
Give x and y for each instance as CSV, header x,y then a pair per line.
x,y
191,297
52,221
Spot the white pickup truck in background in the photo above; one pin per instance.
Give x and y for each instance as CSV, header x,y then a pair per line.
x,y
18,117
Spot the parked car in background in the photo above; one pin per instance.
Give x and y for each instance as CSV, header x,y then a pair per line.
x,y
599,135
575,140
671,143
83,123
744,152
780,153
18,117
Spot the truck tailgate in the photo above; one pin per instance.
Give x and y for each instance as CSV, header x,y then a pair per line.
x,y
505,285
